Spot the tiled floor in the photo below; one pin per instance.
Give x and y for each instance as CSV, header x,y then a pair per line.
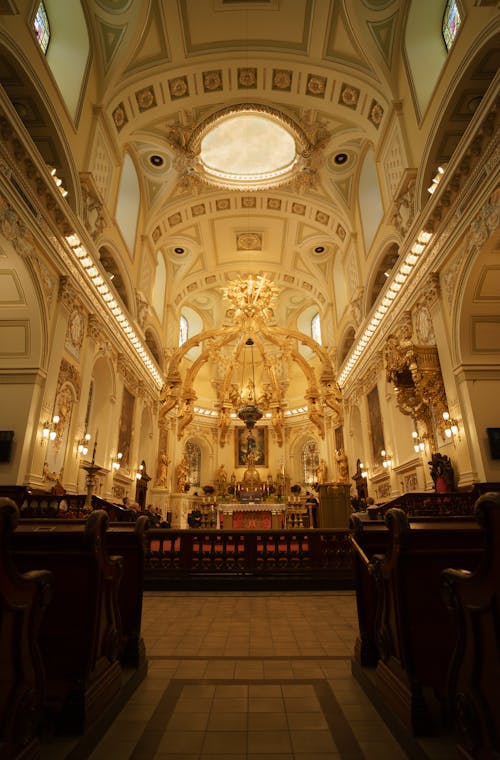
x,y
255,676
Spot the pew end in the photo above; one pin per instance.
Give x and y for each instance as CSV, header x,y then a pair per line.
x,y
24,598
473,598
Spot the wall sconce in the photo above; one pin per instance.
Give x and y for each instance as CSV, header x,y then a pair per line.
x,y
83,448
451,427
49,431
386,459
139,472
363,470
58,182
116,461
418,444
436,179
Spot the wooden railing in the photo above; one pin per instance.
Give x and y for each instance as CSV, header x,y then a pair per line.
x,y
429,503
247,558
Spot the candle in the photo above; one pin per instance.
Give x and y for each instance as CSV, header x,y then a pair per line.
x,y
95,446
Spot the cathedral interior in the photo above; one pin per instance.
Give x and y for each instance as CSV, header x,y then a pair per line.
x,y
249,252
288,207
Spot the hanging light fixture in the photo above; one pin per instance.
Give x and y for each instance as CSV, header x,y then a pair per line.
x,y
249,412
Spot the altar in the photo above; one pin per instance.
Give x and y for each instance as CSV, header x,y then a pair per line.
x,y
250,515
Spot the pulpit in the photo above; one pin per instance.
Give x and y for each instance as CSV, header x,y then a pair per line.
x,y
334,506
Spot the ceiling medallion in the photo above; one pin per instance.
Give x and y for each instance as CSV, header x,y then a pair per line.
x,y
252,297
246,147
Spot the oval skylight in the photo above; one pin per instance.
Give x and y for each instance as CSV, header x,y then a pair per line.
x,y
247,147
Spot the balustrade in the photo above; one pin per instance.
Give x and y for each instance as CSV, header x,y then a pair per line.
x,y
177,557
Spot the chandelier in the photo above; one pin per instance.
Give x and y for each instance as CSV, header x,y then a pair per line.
x,y
249,412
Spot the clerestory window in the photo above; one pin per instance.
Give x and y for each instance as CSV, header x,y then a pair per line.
x,y
42,28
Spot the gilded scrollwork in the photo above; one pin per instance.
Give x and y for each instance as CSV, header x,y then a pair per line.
x,y
416,374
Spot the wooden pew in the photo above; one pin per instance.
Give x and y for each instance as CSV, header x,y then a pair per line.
x,y
128,540
23,601
415,635
79,637
474,600
368,538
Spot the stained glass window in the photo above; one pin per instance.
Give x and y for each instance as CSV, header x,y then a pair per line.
x,y
451,23
316,328
310,461
192,453
183,330
42,28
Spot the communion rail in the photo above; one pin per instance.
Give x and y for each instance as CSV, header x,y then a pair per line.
x,y
247,559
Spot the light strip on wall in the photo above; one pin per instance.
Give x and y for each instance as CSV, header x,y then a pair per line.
x,y
394,286
87,264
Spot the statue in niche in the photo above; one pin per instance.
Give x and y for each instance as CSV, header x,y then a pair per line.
x,y
182,475
163,462
342,466
221,479
321,472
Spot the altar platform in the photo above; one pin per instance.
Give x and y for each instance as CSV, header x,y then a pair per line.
x,y
251,515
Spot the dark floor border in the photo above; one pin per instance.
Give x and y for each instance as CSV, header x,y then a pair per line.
x,y
338,724
260,658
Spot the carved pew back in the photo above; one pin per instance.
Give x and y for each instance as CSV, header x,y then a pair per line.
x,y
474,599
368,538
128,540
79,637
415,635
23,601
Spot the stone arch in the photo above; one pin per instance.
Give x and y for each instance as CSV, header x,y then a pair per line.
x,y
24,89
101,422
117,274
381,272
154,344
346,342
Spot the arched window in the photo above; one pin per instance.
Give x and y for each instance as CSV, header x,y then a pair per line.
x,y
310,461
183,330
451,23
193,459
316,328
42,28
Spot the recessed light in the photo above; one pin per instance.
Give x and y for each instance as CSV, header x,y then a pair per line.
x,y
319,249
340,158
156,160
179,250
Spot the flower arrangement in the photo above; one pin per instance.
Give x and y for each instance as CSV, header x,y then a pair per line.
x,y
296,489
208,490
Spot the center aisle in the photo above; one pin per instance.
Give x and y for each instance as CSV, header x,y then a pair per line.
x,y
254,676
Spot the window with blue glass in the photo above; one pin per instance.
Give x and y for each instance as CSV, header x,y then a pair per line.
x,y
451,22
42,28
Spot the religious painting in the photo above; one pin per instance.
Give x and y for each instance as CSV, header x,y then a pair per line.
x,y
376,427
339,438
125,432
246,441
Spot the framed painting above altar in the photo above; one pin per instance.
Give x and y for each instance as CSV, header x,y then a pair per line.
x,y
250,440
